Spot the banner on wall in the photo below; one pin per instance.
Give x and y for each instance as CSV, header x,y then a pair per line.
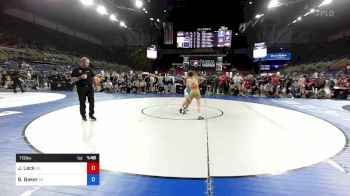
x,y
202,63
219,64
186,62
168,33
277,57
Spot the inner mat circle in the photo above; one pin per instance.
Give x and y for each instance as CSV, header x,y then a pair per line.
x,y
172,112
250,139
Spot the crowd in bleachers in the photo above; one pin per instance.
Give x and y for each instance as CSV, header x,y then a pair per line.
x,y
34,74
315,85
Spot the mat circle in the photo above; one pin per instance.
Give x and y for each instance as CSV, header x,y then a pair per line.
x,y
171,112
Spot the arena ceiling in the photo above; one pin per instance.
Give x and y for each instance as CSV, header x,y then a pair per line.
x,y
192,14
73,14
187,14
327,19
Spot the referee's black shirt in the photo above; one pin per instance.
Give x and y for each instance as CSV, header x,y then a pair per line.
x,y
77,72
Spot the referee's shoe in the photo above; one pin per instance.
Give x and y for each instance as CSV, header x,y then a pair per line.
x,y
92,117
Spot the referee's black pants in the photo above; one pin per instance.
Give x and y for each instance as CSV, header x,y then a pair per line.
x,y
88,92
17,82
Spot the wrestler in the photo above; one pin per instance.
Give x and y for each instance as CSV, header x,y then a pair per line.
x,y
192,83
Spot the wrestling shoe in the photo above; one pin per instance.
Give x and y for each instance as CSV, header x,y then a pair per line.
x,y
183,111
200,118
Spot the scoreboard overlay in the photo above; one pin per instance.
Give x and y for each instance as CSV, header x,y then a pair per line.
x,y
58,169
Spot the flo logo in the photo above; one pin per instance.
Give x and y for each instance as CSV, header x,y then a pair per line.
x,y
324,13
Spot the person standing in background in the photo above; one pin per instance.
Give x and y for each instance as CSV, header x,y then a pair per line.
x,y
16,81
83,77
347,69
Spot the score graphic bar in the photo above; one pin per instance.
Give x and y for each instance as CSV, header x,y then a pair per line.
x,y
57,169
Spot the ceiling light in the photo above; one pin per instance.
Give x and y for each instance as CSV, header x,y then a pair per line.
x,y
138,3
274,3
258,16
87,2
325,2
101,10
113,18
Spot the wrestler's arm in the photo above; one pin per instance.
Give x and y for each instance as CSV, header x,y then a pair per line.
x,y
200,79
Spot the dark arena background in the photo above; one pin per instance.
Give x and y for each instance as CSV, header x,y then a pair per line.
x,y
175,97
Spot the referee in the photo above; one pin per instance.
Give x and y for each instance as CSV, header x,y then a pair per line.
x,y
83,77
16,81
